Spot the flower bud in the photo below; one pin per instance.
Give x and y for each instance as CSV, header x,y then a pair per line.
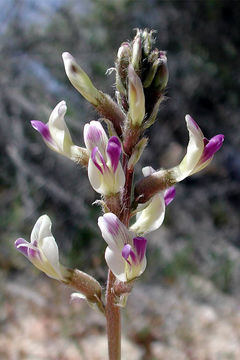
x,y
86,285
137,152
80,79
148,41
121,65
137,51
136,98
161,78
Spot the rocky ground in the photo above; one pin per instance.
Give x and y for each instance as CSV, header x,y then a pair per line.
x,y
190,319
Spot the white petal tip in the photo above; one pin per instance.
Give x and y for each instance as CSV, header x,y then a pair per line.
x,y
62,108
67,56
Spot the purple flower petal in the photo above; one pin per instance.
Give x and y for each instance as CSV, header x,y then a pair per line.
x,y
112,223
126,251
193,122
211,147
43,129
22,246
169,195
34,253
93,135
114,151
140,245
96,156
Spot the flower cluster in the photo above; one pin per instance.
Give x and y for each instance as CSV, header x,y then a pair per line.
x,y
141,80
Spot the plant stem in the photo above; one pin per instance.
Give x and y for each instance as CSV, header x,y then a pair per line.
x,y
113,318
113,315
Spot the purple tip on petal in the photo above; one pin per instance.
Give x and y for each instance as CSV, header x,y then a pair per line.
x,y
140,245
93,135
112,223
193,122
213,145
97,157
126,251
22,246
169,195
114,151
43,129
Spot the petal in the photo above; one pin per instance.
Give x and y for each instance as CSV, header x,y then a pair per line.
x,y
42,129
114,150
114,231
41,229
212,146
140,245
59,131
94,135
22,246
50,250
169,195
126,251
136,97
194,151
98,160
116,263
95,177
151,218
147,170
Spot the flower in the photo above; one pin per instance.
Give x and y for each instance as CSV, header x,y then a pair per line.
x,y
57,136
104,169
200,151
125,254
42,251
150,215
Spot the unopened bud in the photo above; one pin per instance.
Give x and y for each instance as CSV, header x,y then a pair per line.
x,y
80,79
136,98
121,65
148,41
151,73
86,285
137,51
161,78
137,152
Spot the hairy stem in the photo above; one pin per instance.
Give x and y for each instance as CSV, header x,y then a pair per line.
x,y
113,317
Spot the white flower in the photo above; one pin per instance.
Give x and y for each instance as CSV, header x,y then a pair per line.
x,y
125,254
199,153
105,171
42,250
56,134
150,215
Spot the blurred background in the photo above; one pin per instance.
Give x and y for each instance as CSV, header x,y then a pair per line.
x,y
186,306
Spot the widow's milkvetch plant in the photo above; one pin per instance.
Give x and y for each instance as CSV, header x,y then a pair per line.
x,y
110,158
